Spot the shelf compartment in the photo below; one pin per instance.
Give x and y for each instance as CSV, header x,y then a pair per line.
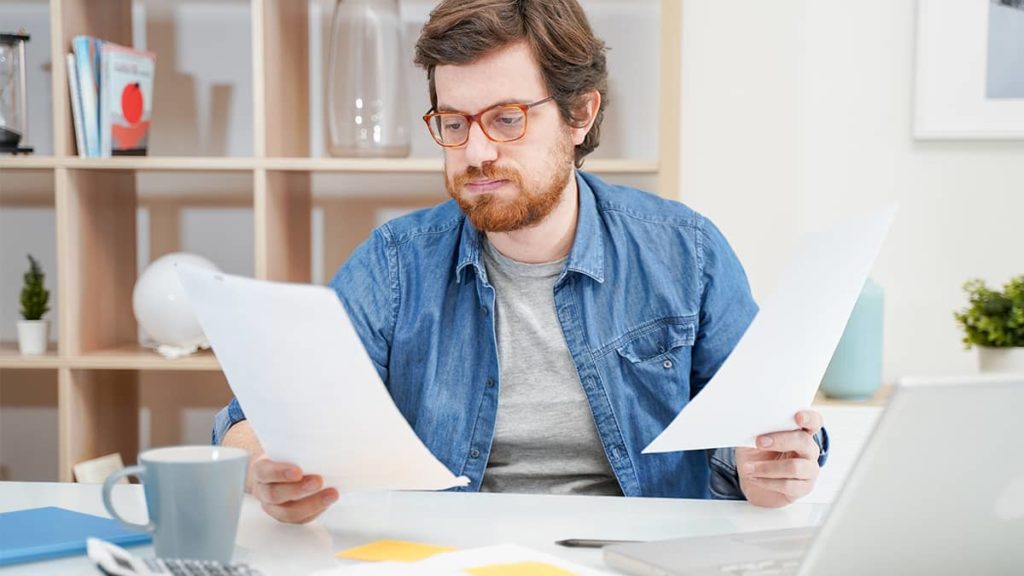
x,y
160,163
27,162
10,357
28,425
133,357
432,165
98,413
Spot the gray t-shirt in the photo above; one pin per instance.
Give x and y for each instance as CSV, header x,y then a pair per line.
x,y
545,440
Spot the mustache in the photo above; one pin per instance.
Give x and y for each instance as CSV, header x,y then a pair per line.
x,y
489,172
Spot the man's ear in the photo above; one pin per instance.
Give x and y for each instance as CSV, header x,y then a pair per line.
x,y
585,113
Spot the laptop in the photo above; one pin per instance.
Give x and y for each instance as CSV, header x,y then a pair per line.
x,y
937,489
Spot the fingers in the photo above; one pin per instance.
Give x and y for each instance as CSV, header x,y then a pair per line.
x,y
809,420
287,494
786,469
303,510
799,441
281,492
789,488
265,470
791,478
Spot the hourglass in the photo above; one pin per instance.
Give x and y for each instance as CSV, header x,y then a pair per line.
x,y
13,100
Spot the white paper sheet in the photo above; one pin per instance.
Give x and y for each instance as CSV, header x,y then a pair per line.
x,y
308,388
459,562
777,366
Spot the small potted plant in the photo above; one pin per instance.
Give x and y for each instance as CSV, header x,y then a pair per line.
x,y
33,331
994,321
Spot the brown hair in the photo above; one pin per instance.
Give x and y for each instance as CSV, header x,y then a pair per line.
x,y
571,58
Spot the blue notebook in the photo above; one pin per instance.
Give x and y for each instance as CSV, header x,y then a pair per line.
x,y
41,533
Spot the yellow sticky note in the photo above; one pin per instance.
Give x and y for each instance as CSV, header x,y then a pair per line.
x,y
519,569
393,551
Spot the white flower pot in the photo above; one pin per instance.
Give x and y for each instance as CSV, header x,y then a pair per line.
x,y
1001,359
33,336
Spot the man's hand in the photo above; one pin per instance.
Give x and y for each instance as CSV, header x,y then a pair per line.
x,y
784,466
286,493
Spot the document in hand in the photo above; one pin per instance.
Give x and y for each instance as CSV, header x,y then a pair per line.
x,y
308,388
775,369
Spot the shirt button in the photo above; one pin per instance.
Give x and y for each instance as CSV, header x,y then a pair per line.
x,y
483,310
490,382
474,453
667,364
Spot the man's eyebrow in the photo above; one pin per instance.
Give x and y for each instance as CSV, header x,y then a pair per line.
x,y
446,108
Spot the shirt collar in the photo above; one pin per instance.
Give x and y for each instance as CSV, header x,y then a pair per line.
x,y
586,256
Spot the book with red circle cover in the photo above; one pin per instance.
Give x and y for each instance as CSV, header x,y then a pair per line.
x,y
126,100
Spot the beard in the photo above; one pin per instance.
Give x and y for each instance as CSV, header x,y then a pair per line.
x,y
532,202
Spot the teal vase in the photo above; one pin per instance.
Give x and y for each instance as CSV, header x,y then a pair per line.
x,y
855,371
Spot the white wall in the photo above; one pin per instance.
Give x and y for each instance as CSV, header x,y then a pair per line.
x,y
796,113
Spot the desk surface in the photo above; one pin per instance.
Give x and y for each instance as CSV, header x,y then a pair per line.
x,y
455,519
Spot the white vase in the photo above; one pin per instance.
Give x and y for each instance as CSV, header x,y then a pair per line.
x,y
1001,359
33,336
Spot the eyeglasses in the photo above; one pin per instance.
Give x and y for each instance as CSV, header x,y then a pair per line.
x,y
500,123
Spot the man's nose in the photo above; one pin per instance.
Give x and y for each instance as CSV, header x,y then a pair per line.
x,y
479,148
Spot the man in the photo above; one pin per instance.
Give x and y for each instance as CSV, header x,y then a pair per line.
x,y
539,330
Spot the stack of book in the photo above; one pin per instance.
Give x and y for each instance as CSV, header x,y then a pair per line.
x,y
111,97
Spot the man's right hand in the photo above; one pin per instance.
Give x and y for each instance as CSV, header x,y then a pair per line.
x,y
286,493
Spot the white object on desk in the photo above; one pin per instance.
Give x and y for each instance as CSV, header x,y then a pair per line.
x,y
777,365
95,471
459,561
311,393
462,520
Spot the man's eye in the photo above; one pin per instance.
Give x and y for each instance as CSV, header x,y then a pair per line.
x,y
510,120
453,125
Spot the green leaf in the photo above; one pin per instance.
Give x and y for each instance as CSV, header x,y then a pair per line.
x,y
993,318
34,295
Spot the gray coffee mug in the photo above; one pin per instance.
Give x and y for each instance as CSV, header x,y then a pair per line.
x,y
194,498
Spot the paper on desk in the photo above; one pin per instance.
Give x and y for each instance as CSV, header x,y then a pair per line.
x,y
775,369
393,551
496,560
308,388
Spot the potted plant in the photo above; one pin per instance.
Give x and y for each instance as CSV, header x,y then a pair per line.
x,y
994,321
33,331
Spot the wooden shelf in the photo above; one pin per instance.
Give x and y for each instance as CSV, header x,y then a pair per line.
x,y
160,163
428,165
29,162
879,398
131,357
10,357
353,165
288,195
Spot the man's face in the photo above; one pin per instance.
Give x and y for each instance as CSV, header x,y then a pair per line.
x,y
506,186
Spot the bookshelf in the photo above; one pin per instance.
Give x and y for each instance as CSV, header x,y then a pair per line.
x,y
95,360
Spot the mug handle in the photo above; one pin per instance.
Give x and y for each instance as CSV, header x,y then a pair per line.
x,y
108,485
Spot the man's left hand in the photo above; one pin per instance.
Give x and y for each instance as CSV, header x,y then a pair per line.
x,y
784,466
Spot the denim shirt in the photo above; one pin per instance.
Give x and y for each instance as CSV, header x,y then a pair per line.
x,y
651,302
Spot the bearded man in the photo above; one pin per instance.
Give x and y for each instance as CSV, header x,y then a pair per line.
x,y
540,328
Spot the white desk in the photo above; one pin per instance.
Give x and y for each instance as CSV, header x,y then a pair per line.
x,y
455,519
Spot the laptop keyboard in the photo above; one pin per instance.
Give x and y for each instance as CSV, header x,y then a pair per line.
x,y
764,568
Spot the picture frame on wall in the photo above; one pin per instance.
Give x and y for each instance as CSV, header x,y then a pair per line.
x,y
969,70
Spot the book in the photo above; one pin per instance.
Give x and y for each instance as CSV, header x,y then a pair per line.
x,y
75,95
87,57
51,532
126,100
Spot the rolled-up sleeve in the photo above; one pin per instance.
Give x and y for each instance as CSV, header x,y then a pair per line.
x,y
225,419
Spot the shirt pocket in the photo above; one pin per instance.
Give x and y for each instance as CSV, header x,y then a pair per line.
x,y
661,342
651,368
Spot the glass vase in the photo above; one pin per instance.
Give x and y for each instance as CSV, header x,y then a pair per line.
x,y
366,111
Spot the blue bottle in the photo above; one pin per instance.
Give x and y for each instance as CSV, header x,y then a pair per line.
x,y
855,371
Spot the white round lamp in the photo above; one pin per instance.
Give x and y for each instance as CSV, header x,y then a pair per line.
x,y
162,307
